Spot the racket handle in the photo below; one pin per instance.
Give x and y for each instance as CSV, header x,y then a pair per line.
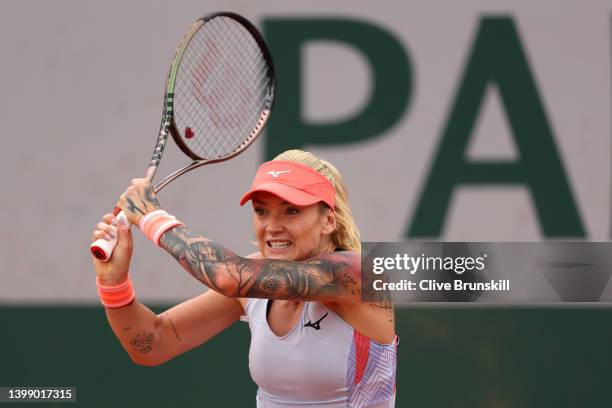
x,y
103,249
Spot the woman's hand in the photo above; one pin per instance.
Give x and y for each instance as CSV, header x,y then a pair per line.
x,y
138,200
115,270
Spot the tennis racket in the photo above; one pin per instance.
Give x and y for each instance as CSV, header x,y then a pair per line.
x,y
218,98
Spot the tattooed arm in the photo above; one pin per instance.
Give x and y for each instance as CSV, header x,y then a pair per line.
x,y
333,277
151,339
329,277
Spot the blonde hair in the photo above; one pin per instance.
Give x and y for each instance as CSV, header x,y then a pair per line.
x,y
346,236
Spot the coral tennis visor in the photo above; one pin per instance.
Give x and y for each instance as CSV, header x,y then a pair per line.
x,y
295,183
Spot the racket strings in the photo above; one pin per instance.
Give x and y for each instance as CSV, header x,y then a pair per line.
x,y
225,117
218,91
221,88
257,68
245,42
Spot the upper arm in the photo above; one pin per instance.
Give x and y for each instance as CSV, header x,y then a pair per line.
x,y
334,277
195,321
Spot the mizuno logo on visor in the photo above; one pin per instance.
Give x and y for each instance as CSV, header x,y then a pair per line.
x,y
276,173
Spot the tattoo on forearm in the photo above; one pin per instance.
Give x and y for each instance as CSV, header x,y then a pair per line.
x,y
173,328
227,273
143,343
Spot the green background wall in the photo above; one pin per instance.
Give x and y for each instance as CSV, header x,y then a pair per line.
x,y
460,357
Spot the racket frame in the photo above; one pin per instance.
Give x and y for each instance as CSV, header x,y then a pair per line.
x,y
168,125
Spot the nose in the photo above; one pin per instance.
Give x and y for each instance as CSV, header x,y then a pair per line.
x,y
275,225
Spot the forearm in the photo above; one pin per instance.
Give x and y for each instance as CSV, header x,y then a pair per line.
x,y
206,260
328,277
138,330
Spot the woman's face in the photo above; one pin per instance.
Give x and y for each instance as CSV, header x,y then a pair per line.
x,y
291,232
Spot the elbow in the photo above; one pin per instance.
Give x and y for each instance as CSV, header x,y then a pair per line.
x,y
226,286
145,362
149,355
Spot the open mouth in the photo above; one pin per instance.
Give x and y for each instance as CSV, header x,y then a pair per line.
x,y
278,244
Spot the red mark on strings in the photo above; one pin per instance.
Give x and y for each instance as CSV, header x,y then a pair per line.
x,y
189,133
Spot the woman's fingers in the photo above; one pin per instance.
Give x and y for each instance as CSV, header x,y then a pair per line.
x,y
101,235
110,219
105,231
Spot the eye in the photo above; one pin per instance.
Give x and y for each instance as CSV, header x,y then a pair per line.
x,y
259,211
292,211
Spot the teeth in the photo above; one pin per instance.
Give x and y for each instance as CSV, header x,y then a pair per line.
x,y
279,244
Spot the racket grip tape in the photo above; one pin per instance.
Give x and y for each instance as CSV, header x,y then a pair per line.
x,y
103,249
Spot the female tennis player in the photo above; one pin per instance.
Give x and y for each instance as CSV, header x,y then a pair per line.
x,y
313,342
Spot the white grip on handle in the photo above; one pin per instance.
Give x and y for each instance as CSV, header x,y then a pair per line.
x,y
103,249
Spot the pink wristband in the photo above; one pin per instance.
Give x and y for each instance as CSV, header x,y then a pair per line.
x,y
116,296
147,219
155,223
163,228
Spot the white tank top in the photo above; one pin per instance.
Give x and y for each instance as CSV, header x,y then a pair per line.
x,y
320,362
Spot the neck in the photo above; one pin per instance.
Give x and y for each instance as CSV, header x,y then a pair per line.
x,y
328,247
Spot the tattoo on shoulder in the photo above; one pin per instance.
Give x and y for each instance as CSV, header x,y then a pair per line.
x,y
143,343
387,307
